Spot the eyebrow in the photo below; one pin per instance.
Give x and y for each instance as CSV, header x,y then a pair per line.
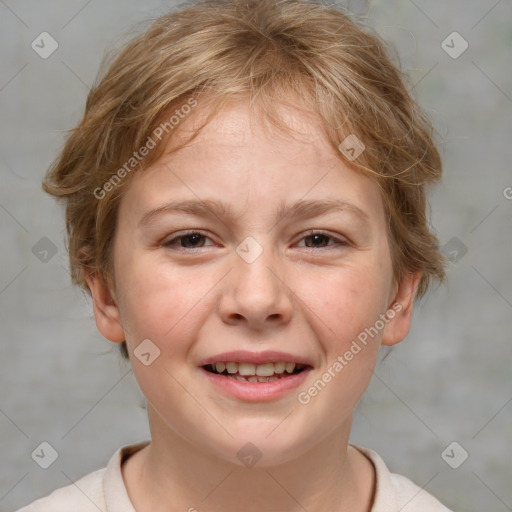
x,y
301,209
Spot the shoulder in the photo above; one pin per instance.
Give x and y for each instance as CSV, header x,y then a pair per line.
x,y
85,495
412,498
395,493
103,490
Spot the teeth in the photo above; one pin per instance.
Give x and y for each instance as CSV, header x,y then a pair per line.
x,y
290,367
258,370
254,378
279,367
265,370
246,369
231,367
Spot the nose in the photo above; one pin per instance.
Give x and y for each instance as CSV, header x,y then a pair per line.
x,y
256,294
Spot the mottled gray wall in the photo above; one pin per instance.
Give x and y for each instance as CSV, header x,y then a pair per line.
x,y
60,382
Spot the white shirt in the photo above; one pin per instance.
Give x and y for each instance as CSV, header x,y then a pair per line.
x,y
104,490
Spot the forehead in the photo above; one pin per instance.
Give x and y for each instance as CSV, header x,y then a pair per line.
x,y
239,156
239,126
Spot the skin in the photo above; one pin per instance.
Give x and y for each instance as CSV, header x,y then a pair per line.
x,y
306,297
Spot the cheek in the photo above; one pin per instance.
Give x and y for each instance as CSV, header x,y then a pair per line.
x,y
161,302
347,311
351,300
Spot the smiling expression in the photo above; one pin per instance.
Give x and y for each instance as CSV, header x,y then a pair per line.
x,y
250,246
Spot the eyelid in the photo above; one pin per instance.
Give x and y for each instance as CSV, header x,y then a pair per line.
x,y
339,240
181,234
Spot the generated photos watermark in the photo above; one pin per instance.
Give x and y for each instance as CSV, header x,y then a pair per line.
x,y
304,397
144,150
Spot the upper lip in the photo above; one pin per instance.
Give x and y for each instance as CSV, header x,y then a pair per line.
x,y
244,356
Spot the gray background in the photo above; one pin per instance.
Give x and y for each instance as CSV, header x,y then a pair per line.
x,y
62,383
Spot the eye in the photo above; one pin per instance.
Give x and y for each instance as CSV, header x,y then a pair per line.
x,y
317,239
188,240
191,240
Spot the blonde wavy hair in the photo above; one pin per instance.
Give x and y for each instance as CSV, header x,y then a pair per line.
x,y
298,52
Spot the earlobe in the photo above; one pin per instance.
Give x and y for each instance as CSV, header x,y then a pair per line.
x,y
106,311
401,309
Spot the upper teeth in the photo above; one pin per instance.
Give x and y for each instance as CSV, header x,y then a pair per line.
x,y
262,370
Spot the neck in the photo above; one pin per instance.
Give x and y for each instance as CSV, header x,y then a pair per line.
x,y
171,474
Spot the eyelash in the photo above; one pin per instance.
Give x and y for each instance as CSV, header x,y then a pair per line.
x,y
171,242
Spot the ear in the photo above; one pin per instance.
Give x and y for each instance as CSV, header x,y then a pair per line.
x,y
402,306
106,311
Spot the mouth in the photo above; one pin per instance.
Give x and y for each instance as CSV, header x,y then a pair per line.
x,y
250,372
251,376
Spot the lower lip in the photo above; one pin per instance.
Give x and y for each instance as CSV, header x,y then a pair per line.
x,y
256,391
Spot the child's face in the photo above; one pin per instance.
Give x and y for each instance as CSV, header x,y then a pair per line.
x,y
306,296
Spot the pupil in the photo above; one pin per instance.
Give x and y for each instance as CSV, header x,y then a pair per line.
x,y
317,238
195,236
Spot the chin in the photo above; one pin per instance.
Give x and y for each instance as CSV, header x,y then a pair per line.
x,y
259,447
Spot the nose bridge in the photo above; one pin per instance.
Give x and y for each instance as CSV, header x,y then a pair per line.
x,y
256,266
256,291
